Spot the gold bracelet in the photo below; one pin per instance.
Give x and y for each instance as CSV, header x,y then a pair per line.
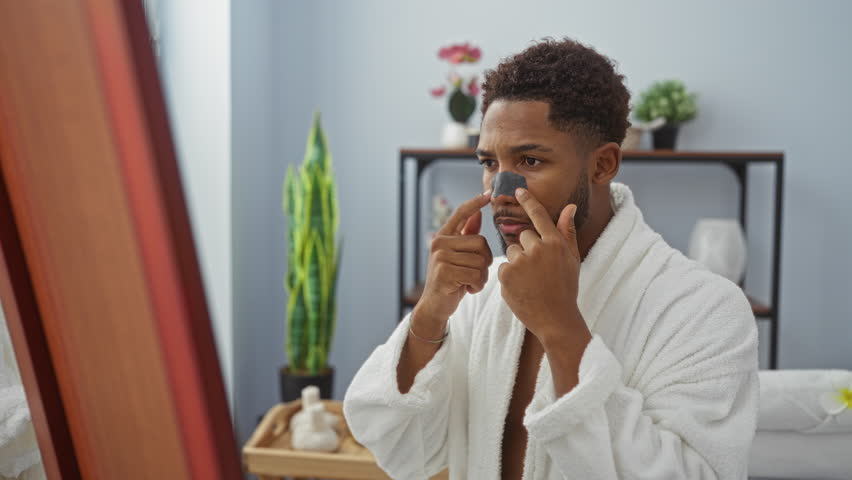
x,y
411,331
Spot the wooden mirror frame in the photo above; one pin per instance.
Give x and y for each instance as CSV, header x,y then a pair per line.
x,y
99,277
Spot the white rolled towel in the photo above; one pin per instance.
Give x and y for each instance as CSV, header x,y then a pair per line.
x,y
805,401
798,456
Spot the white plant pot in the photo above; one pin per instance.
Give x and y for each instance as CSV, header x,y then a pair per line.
x,y
719,244
454,135
632,139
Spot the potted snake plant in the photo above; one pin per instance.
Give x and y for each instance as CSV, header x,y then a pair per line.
x,y
310,204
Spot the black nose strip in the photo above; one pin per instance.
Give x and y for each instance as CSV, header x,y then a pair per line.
x,y
505,183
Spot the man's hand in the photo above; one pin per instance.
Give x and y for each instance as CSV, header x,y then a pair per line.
x,y
458,264
541,279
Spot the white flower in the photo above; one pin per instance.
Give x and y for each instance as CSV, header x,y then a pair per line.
x,y
837,401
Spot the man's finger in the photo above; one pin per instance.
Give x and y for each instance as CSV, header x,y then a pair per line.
x,y
538,214
463,243
464,259
459,218
473,224
566,225
465,275
528,239
514,252
481,286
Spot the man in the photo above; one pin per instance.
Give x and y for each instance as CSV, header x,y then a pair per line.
x,y
592,349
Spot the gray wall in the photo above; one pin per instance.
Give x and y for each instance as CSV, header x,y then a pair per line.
x,y
772,75
258,165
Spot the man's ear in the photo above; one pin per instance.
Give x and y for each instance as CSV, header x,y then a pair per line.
x,y
606,160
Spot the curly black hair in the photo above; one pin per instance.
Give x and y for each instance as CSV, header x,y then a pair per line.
x,y
586,94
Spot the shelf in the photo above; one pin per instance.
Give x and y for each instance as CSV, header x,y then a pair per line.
x,y
649,155
759,309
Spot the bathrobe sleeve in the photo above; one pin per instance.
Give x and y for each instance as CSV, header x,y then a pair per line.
x,y
688,410
407,433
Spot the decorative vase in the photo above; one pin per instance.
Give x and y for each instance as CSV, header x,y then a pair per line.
x,y
472,137
454,135
719,244
665,137
292,385
632,139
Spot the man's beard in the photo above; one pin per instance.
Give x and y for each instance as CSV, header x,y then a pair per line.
x,y
580,197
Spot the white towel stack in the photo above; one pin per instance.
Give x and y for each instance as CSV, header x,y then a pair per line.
x,y
802,430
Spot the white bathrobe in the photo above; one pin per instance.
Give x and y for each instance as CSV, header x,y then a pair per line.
x,y
668,386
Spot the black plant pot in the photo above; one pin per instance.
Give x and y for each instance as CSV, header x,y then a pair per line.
x,y
665,137
292,385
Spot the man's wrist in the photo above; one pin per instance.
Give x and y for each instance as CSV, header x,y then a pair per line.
x,y
426,325
565,347
569,331
566,339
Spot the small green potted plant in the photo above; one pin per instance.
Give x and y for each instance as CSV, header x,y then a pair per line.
x,y
669,100
310,203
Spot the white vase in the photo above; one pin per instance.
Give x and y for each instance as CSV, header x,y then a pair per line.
x,y
719,244
454,135
632,139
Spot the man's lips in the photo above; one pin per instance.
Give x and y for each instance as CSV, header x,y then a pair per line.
x,y
515,229
510,226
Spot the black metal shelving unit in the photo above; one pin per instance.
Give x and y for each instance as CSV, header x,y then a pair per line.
x,y
738,162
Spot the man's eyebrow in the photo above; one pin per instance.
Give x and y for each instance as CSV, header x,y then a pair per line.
x,y
527,147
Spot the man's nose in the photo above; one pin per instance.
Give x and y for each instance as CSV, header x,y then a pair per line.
x,y
503,199
506,167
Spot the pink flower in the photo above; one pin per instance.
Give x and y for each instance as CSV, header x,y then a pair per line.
x,y
438,92
449,52
473,86
460,53
455,79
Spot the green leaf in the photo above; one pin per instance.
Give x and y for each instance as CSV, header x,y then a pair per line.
x,y
296,320
290,202
313,296
332,308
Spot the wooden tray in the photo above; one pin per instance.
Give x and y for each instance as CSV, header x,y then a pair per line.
x,y
269,453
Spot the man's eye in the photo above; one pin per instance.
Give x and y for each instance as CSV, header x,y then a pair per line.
x,y
530,161
487,163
